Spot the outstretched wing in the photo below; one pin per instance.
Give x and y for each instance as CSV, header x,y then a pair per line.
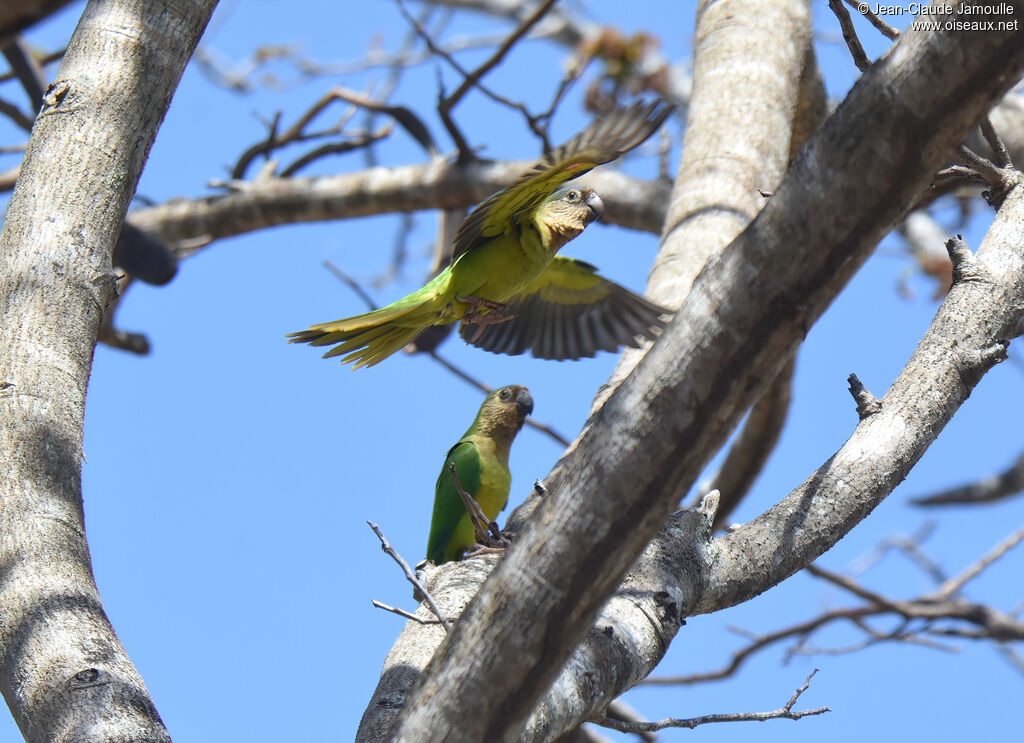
x,y
567,313
601,142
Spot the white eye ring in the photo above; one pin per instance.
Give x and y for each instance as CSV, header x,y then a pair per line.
x,y
573,195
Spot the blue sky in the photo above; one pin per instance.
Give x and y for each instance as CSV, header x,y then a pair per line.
x,y
229,475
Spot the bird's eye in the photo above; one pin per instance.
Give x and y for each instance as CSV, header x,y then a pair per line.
x,y
573,195
505,394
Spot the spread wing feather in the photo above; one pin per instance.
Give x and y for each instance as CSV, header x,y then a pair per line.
x,y
570,312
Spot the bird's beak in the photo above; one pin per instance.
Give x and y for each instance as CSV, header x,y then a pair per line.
x,y
595,207
524,403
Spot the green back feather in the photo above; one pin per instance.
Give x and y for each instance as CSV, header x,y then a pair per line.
x,y
450,520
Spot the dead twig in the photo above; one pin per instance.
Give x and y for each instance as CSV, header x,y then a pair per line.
x,y
850,35
298,132
1008,483
953,586
403,613
784,712
410,575
471,79
996,143
360,142
916,617
887,31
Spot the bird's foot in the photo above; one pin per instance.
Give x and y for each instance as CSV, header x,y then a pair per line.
x,y
483,549
483,312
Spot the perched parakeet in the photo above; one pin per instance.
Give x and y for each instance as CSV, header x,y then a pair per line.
x,y
506,282
481,463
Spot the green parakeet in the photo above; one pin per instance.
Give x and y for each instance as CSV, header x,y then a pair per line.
x,y
481,463
506,283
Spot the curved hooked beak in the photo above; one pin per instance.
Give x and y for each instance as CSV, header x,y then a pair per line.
x,y
595,207
524,403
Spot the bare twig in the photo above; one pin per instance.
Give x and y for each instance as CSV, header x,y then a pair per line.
x,y
26,68
954,175
410,575
759,642
853,587
916,617
399,251
403,612
114,337
784,712
395,72
406,117
360,142
15,114
952,586
472,79
984,167
850,35
1015,661
910,546
874,637
619,710
998,148
42,60
997,487
298,133
351,283
888,31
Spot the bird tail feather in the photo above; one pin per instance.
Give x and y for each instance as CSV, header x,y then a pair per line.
x,y
368,338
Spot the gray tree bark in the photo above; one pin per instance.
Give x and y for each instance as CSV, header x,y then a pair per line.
x,y
643,447
63,671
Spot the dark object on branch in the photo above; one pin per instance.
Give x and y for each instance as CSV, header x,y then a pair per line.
x,y
16,17
144,257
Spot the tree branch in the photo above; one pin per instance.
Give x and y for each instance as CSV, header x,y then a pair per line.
x,y
1007,483
63,672
784,712
254,205
611,491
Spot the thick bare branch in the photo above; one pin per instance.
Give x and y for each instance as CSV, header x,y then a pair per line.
x,y
743,127
613,488
266,202
64,673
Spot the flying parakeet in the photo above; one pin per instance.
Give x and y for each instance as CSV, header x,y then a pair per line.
x,y
481,463
506,283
